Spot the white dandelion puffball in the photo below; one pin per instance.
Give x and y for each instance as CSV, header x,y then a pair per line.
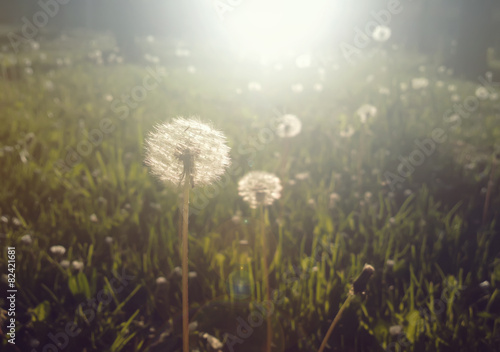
x,y
259,188
366,111
419,83
482,93
288,126
381,33
59,250
187,148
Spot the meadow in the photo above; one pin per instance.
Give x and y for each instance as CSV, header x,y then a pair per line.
x,y
74,116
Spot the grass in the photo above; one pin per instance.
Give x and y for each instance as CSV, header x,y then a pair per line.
x,y
430,226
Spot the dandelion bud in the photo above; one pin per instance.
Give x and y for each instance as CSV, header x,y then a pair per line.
x,y
359,285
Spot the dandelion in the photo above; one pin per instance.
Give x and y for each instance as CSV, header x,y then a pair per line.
x,y
64,264
58,250
381,33
254,87
358,287
187,148
347,132
259,188
93,218
318,87
77,265
303,61
190,151
297,88
482,93
288,126
366,111
395,330
161,280
419,83
26,239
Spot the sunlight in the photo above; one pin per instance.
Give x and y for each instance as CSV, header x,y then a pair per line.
x,y
274,28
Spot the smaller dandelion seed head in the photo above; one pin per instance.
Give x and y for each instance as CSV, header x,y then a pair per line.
x,y
347,132
366,111
419,83
288,126
59,250
259,188
381,33
187,148
161,280
77,265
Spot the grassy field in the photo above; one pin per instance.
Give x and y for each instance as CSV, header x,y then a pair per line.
x,y
72,174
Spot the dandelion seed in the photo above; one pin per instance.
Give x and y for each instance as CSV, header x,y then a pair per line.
x,y
366,111
58,250
381,33
259,188
288,126
187,148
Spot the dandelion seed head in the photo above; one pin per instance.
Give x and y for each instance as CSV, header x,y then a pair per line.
x,y
366,111
288,126
381,33
259,188
58,250
187,148
77,265
482,93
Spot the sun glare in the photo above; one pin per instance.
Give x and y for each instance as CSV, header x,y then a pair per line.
x,y
273,28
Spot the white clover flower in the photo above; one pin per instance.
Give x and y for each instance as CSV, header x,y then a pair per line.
x,y
381,33
259,188
288,126
77,265
366,111
187,148
419,83
482,93
58,250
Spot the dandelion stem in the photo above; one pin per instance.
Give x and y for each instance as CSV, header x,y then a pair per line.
x,y
185,271
266,277
335,321
489,190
